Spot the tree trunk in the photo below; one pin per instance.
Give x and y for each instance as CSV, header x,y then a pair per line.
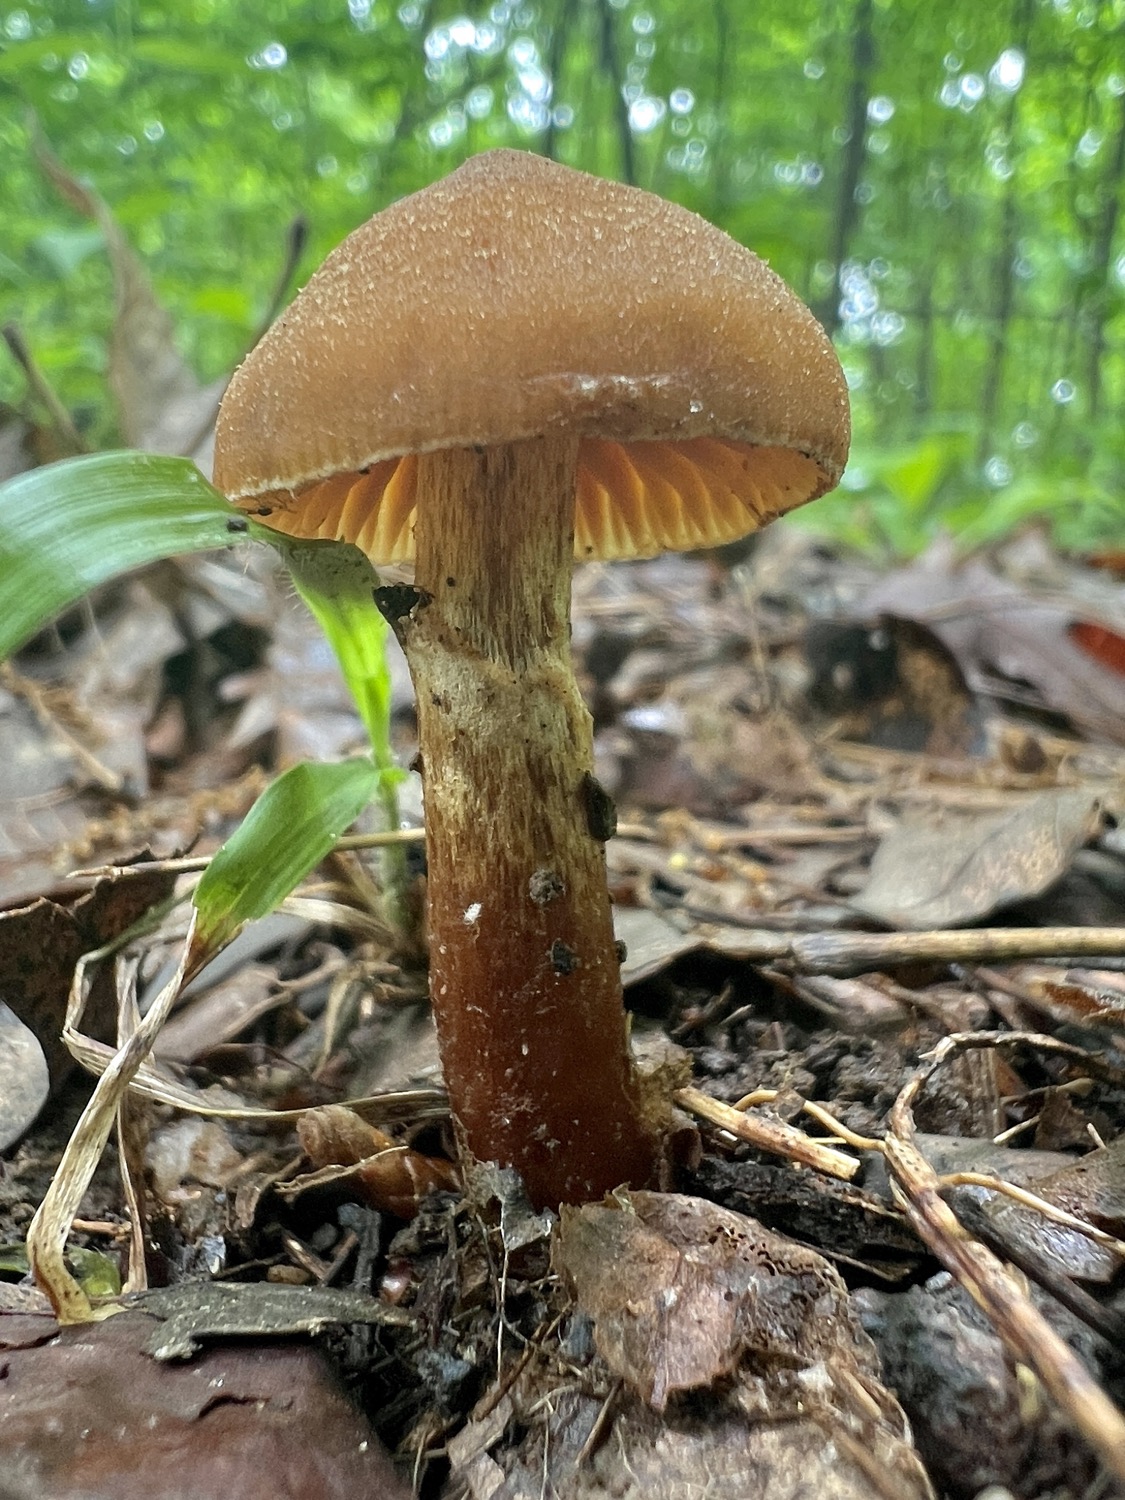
x,y
855,122
1097,310
1003,266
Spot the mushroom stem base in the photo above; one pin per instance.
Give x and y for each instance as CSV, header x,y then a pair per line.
x,y
524,972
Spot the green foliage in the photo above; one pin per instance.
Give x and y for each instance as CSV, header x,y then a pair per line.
x,y
288,831
979,299
97,1274
69,526
337,583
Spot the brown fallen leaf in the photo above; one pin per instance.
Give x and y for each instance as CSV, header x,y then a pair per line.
x,y
949,869
686,1296
40,945
379,1169
1008,639
681,1291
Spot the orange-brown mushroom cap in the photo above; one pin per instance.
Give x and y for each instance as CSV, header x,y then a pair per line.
x,y
515,299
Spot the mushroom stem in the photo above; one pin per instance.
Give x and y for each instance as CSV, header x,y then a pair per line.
x,y
524,973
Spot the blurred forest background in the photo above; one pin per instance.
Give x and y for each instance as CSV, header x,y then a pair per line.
x,y
941,182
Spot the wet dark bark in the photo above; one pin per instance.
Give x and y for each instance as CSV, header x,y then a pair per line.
x,y
1003,265
851,166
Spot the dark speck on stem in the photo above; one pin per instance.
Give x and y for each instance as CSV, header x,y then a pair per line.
x,y
564,960
601,814
395,601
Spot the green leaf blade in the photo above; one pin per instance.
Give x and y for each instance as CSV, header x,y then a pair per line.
x,y
292,826
67,527
337,582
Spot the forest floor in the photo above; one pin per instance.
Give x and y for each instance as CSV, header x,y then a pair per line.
x,y
862,813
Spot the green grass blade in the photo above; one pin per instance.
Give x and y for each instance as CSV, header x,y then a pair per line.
x,y
69,526
336,581
289,830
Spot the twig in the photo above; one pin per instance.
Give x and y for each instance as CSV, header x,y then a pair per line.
x,y
916,1188
601,1423
194,863
41,387
769,1135
844,954
1036,1204
296,237
816,1112
1105,1321
1093,1062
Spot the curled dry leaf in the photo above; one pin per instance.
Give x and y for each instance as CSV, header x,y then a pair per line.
x,y
385,1173
58,933
680,1291
949,870
1001,633
687,1296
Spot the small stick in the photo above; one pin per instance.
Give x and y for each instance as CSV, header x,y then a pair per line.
x,y
193,863
816,1112
844,954
917,1190
41,387
1036,1266
601,1422
348,1243
1036,1204
1093,1062
769,1135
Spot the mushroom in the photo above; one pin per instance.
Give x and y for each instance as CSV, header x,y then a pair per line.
x,y
517,366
